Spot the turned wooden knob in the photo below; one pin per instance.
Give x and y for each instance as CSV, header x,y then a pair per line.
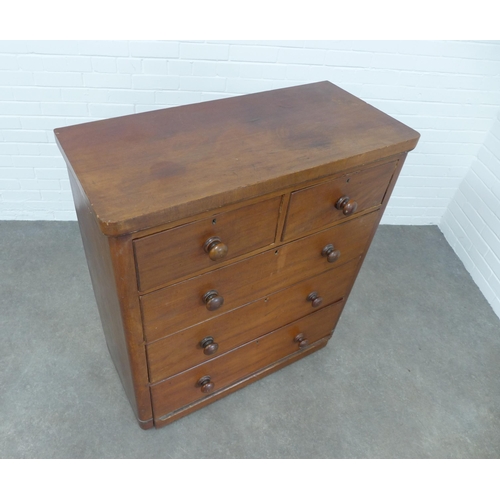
x,y
209,346
205,384
301,340
347,205
315,299
215,248
330,253
213,300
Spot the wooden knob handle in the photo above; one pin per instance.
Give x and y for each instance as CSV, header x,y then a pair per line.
x,y
209,346
205,384
330,253
347,205
213,300
315,299
215,248
301,340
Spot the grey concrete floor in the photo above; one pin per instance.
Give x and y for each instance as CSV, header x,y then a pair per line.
x,y
413,370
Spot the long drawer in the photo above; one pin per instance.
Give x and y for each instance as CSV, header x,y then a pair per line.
x,y
208,378
217,336
180,306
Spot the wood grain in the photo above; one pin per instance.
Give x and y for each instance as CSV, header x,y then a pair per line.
x,y
217,222
181,351
113,283
162,420
314,208
150,168
171,254
182,389
180,306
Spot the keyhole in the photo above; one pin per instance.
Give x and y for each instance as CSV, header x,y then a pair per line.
x,y
214,221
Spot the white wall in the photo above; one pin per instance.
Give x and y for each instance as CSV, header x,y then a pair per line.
x,y
471,223
448,91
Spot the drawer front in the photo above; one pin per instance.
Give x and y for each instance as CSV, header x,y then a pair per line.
x,y
315,207
186,349
180,306
167,256
184,389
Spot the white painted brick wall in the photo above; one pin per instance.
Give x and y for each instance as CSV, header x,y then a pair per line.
x,y
471,223
448,91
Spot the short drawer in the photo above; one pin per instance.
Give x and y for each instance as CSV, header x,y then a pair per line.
x,y
190,386
324,204
182,305
167,256
217,336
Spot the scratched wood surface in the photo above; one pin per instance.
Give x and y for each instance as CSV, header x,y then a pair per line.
x,y
146,169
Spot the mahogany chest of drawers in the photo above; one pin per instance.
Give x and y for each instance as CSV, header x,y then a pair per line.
x,y
223,238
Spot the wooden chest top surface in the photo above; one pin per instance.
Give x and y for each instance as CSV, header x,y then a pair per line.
x,y
146,169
